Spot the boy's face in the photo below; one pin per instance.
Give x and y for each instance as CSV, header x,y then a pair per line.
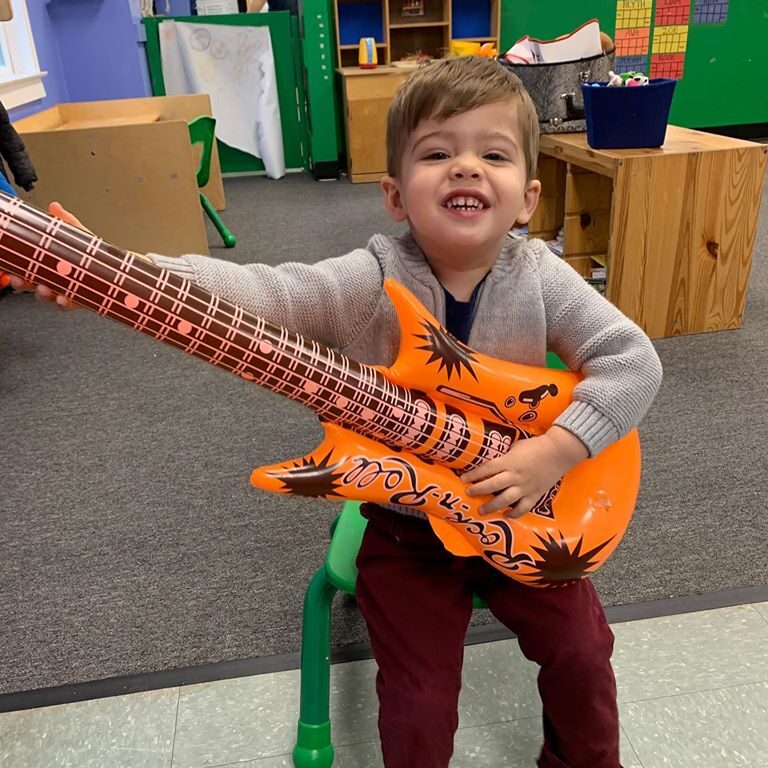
x,y
462,181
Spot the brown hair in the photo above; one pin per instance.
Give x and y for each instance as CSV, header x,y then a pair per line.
x,y
452,86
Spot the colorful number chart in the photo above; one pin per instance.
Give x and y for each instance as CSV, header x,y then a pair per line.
x,y
633,35
671,20
672,12
669,41
667,65
710,11
633,13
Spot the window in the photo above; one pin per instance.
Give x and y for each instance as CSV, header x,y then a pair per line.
x,y
20,75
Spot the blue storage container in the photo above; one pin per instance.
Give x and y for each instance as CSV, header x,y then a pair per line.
x,y
623,118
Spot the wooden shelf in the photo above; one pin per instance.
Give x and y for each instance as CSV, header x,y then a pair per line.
x,y
420,24
398,35
368,93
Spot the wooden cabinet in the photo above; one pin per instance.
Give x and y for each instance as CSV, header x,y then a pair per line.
x,y
403,28
674,227
367,94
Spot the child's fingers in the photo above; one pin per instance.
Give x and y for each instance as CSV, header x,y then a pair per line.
x,y
60,212
506,499
47,296
42,293
493,484
488,469
64,303
18,284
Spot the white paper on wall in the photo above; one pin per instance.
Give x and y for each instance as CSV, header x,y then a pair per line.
x,y
236,68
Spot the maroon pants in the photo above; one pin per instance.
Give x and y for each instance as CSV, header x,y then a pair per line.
x,y
416,599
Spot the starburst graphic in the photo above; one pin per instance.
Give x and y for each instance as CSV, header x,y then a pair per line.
x,y
560,565
310,478
446,350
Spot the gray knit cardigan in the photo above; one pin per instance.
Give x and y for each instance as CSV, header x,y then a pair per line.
x,y
531,302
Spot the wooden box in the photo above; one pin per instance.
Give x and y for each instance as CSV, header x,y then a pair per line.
x,y
126,169
674,227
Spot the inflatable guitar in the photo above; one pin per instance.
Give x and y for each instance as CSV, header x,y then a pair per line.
x,y
397,436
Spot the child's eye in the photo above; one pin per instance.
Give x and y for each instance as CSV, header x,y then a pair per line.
x,y
495,157
436,155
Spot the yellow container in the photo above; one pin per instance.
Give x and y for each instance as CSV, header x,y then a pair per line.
x,y
470,48
464,48
367,57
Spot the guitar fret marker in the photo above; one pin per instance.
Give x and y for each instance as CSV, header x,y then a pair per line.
x,y
184,327
131,301
64,268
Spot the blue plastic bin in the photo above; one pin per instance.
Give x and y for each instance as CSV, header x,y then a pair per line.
x,y
623,118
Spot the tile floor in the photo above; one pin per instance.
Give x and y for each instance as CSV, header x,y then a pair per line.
x,y
693,692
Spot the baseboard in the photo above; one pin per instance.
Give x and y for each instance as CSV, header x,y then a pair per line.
x,y
226,670
748,132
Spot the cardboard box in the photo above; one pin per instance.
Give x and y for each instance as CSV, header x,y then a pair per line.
x,y
126,168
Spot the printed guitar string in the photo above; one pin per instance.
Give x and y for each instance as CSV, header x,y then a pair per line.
x,y
444,426
486,446
281,385
442,433
438,424
259,329
169,333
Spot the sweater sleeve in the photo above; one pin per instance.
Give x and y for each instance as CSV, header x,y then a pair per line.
x,y
622,372
330,301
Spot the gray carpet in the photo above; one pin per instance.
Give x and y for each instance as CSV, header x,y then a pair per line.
x,y
132,542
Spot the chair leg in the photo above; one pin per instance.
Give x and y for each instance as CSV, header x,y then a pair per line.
x,y
313,743
228,238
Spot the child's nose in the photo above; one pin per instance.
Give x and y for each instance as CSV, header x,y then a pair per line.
x,y
465,168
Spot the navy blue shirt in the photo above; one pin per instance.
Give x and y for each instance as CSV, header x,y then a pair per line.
x,y
459,314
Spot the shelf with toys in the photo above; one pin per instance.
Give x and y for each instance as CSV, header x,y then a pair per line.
x,y
412,30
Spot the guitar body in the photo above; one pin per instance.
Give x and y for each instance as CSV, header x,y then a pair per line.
x,y
472,408
400,436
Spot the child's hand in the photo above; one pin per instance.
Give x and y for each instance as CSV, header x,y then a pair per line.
x,y
524,474
41,292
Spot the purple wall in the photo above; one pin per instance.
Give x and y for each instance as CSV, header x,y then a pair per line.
x,y
178,7
50,61
92,50
99,45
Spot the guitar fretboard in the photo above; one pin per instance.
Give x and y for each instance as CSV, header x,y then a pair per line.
x,y
94,274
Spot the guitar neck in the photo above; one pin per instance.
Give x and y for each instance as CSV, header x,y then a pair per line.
x,y
116,283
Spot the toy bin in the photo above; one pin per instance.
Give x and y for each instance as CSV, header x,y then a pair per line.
x,y
624,118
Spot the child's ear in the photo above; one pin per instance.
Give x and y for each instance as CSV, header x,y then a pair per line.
x,y
392,198
530,201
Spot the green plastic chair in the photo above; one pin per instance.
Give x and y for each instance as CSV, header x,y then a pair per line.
x,y
314,748
313,744
202,131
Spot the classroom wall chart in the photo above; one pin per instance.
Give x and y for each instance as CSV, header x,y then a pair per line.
x,y
655,40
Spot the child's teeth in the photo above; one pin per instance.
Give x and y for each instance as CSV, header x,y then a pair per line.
x,y
465,202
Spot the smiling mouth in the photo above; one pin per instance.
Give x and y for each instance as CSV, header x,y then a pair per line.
x,y
465,203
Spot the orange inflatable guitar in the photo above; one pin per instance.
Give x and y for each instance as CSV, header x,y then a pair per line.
x,y
397,436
